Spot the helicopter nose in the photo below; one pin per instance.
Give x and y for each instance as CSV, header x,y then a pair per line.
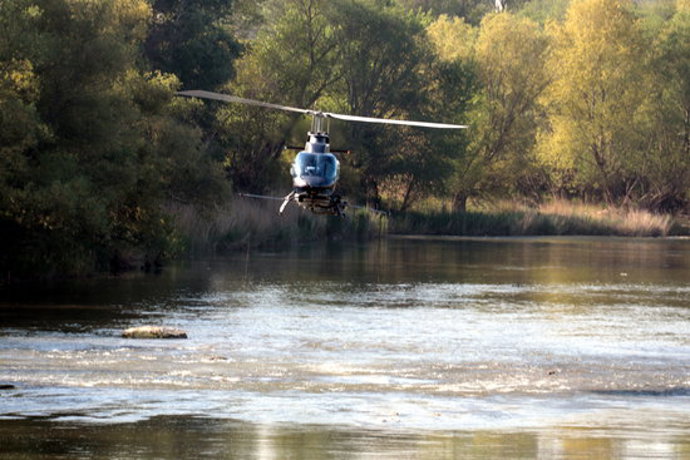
x,y
311,181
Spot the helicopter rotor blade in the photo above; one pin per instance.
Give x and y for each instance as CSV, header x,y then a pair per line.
x,y
388,121
261,197
227,98
338,116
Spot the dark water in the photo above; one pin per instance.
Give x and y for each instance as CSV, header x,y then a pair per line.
x,y
514,348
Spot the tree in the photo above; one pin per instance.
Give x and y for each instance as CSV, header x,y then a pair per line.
x,y
596,98
471,11
667,141
387,67
453,38
507,57
293,61
366,58
102,147
543,11
191,39
62,182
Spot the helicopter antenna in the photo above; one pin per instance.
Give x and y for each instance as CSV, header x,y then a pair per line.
x,y
319,117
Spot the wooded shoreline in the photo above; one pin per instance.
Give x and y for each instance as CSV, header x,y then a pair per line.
x,y
104,169
253,227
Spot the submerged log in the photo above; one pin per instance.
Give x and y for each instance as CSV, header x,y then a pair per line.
x,y
154,332
7,387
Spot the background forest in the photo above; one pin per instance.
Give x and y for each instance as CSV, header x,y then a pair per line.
x,y
102,167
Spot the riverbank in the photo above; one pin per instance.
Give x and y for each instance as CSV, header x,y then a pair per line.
x,y
254,223
247,224
558,217
251,223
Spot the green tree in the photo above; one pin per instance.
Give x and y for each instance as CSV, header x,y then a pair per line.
x,y
292,62
368,58
543,11
470,10
666,147
192,39
507,56
102,146
21,129
57,213
387,67
596,99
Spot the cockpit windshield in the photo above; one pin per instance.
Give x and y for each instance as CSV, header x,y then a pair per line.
x,y
312,167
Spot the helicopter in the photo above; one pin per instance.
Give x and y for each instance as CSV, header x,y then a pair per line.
x,y
315,170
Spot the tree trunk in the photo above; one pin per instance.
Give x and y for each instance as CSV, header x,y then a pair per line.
x,y
460,202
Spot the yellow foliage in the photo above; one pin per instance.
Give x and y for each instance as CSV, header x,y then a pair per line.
x,y
556,148
134,14
510,51
596,92
127,17
593,49
508,59
452,38
510,54
19,75
34,11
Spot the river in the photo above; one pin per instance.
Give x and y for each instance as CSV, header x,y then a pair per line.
x,y
403,348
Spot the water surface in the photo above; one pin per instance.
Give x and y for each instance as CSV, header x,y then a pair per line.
x,y
528,347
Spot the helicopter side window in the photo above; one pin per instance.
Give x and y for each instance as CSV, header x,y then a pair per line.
x,y
330,167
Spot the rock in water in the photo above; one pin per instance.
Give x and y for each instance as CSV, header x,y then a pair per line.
x,y
154,332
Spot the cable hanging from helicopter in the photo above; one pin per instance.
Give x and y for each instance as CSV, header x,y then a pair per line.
x,y
315,170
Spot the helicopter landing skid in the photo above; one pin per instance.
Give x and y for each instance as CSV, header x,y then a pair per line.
x,y
335,206
290,196
331,205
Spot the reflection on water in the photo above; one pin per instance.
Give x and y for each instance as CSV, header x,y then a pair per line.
x,y
407,348
190,437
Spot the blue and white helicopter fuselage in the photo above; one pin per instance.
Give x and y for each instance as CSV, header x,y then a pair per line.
x,y
315,172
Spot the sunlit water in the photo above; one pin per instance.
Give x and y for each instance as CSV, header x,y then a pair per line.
x,y
494,347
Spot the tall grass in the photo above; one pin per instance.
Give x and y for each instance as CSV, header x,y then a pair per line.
x,y
251,223
624,222
247,222
556,217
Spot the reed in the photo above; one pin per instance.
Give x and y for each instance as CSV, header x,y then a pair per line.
x,y
254,223
248,223
556,217
619,221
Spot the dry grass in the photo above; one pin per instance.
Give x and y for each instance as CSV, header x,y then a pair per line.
x,y
247,222
556,217
241,223
624,222
643,223
256,223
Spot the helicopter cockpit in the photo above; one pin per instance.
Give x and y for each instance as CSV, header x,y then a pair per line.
x,y
315,170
